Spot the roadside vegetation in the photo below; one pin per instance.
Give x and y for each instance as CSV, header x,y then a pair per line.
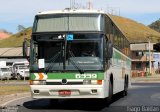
x,y
12,89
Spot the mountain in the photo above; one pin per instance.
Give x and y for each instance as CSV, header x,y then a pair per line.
x,y
134,31
16,40
155,25
4,34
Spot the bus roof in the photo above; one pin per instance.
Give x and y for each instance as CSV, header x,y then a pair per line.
x,y
72,11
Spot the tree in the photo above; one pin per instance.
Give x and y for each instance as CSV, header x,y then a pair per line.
x,y
155,25
21,28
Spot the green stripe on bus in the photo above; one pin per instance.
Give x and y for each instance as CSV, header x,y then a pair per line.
x,y
100,76
119,57
32,76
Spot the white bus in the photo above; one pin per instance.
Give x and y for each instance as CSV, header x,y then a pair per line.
x,y
77,54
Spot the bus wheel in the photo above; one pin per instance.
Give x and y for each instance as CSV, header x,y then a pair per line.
x,y
110,92
125,91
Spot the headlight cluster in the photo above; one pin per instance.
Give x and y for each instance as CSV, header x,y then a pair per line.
x,y
42,82
85,82
94,82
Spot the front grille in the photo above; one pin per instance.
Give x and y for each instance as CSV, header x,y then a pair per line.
x,y
60,83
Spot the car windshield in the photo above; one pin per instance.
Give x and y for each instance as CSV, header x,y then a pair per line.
x,y
84,51
5,69
23,67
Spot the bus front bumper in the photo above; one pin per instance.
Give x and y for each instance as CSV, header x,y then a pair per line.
x,y
76,91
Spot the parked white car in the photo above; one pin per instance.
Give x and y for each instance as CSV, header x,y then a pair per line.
x,y
20,70
5,73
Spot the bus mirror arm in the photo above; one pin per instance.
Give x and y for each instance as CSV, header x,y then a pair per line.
x,y
25,49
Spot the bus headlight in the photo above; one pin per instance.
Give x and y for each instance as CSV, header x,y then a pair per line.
x,y
94,82
42,82
85,82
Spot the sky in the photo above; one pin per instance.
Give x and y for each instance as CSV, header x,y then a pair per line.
x,y
22,12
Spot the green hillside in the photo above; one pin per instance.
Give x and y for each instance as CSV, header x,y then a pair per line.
x,y
135,32
155,25
16,40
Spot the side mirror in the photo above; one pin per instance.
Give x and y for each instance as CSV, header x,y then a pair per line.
x,y
25,50
109,49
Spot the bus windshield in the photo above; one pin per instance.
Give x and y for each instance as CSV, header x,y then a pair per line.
x,y
84,51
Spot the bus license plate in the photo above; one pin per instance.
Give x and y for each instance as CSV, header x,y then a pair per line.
x,y
64,92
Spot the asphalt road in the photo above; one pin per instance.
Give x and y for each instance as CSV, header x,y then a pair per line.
x,y
140,97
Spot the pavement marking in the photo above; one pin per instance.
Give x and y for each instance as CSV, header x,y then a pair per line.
x,y
6,103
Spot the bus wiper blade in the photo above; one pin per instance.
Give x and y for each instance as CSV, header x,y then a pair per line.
x,y
77,67
52,61
81,71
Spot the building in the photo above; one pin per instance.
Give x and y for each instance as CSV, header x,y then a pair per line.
x,y
142,59
11,55
156,56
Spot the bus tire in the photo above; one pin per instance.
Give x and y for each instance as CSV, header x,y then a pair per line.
x,y
125,91
110,93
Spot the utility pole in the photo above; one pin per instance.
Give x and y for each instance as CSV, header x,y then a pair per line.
x,y
149,48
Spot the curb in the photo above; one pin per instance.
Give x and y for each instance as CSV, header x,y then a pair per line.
x,y
145,81
12,98
153,79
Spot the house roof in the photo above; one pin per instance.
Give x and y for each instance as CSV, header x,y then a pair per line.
x,y
9,52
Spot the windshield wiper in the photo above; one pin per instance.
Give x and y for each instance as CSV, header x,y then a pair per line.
x,y
53,59
81,71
